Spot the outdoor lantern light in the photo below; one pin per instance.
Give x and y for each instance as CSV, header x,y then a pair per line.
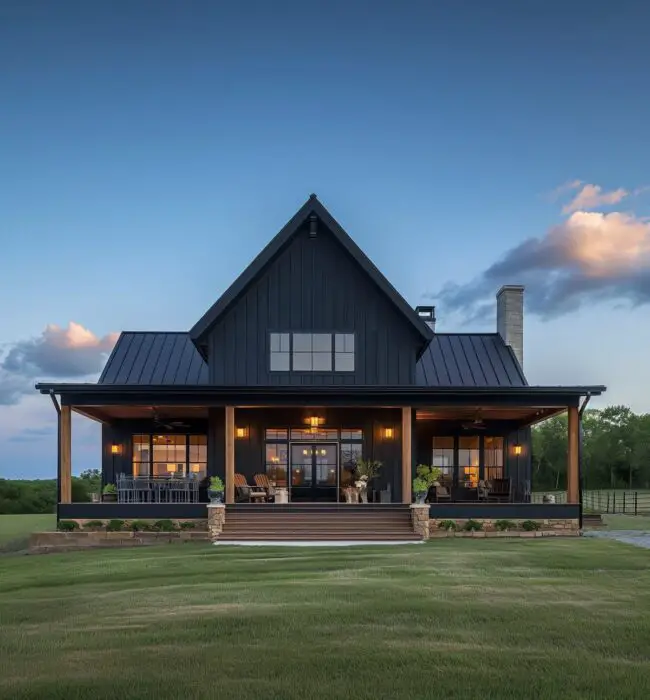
x,y
388,433
517,450
241,432
315,421
116,449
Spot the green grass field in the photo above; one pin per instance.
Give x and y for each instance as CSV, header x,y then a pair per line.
x,y
449,619
15,529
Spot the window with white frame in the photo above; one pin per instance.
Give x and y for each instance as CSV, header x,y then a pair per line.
x,y
312,352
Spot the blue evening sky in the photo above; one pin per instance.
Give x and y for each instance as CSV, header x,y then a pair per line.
x,y
148,150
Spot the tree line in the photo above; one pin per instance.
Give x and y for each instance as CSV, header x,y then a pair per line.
x,y
615,450
39,495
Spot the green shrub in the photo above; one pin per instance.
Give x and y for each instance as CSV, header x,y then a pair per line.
x,y
420,485
140,525
109,488
448,525
187,525
115,525
504,525
473,526
67,525
216,483
530,525
94,525
164,526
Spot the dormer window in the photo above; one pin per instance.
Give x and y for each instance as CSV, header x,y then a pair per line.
x,y
311,352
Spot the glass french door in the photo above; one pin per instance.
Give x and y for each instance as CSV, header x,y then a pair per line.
x,y
314,472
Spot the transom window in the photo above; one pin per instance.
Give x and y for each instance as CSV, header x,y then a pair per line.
x,y
312,352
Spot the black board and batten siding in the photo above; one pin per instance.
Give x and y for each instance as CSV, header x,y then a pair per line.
x,y
313,285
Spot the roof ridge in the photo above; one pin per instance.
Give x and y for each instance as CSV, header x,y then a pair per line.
x,y
158,332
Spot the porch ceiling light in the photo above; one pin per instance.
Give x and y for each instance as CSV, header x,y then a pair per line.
x,y
315,421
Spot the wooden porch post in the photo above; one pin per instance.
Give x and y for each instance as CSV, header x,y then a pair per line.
x,y
407,460
572,456
65,455
230,454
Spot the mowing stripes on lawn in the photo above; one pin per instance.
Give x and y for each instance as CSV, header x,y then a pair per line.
x,y
450,619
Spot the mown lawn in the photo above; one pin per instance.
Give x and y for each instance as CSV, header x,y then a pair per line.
x,y
449,619
627,522
16,529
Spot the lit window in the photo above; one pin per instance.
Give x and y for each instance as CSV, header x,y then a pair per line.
x,y
468,460
170,455
493,451
443,456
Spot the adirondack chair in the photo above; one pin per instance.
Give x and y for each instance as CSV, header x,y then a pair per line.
x,y
245,492
262,482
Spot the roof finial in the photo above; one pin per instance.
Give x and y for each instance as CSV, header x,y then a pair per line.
x,y
313,196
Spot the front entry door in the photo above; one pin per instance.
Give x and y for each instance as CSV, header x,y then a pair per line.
x,y
314,472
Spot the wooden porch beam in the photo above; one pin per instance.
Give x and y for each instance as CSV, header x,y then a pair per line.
x,y
407,453
230,454
65,455
572,472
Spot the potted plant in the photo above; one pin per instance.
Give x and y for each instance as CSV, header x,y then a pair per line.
x,y
109,493
426,478
215,489
420,489
366,471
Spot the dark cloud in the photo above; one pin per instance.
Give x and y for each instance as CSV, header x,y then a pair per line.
x,y
588,258
58,353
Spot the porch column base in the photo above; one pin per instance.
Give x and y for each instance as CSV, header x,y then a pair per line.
x,y
216,519
420,519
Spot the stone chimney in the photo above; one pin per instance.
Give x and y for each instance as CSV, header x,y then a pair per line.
x,y
510,318
428,315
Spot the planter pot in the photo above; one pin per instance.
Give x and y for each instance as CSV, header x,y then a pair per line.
x,y
109,497
363,495
351,495
215,496
420,498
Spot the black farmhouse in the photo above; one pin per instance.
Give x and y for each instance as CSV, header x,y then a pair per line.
x,y
308,363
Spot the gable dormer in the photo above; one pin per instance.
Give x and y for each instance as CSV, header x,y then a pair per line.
x,y
311,309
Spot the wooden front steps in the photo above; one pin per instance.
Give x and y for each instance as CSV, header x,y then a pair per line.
x,y
336,522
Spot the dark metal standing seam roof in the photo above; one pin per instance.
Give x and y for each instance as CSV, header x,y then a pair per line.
x,y
154,358
469,360
451,359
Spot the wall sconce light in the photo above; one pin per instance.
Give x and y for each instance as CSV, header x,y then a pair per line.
x,y
116,449
241,432
388,433
517,450
315,421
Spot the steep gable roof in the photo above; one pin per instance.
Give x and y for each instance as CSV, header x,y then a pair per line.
x,y
312,206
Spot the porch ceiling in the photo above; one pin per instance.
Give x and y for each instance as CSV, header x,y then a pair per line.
x,y
523,415
106,414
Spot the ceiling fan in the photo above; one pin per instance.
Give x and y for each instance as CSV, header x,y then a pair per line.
x,y
476,424
167,425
